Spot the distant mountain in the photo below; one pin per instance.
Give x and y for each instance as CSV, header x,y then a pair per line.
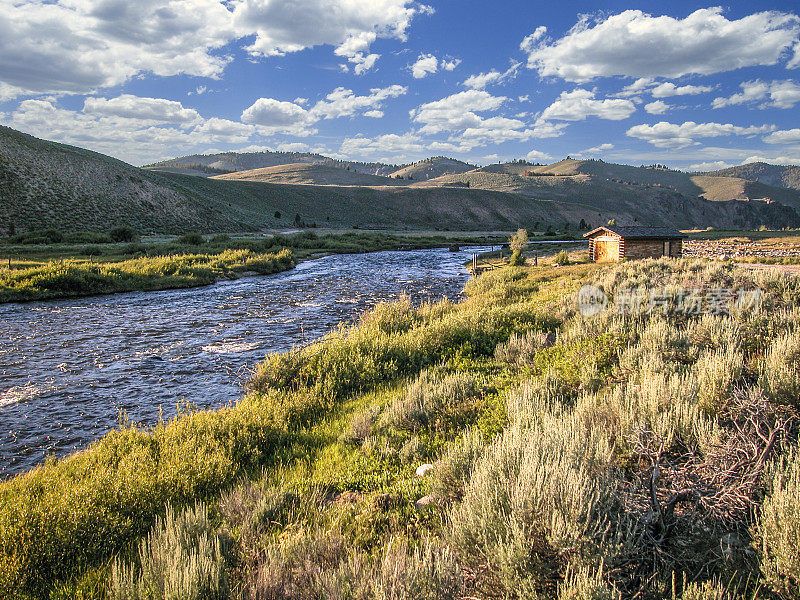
x,y
775,175
227,162
45,184
432,167
309,174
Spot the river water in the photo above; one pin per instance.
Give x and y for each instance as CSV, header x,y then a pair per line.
x,y
69,368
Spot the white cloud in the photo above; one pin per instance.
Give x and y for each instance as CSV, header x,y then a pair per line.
x,y
529,41
342,102
78,46
710,166
352,25
124,137
382,147
276,116
600,148
579,104
669,89
774,160
637,87
425,64
658,107
794,62
292,147
537,155
782,94
375,114
481,80
128,106
456,112
636,44
672,135
788,136
450,64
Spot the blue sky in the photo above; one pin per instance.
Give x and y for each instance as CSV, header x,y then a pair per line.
x,y
692,85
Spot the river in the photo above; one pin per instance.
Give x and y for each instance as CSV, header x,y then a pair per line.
x,y
69,368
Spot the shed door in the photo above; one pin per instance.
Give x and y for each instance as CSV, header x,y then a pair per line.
x,y
606,250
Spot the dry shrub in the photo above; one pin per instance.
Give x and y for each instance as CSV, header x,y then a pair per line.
x,y
778,531
540,498
428,398
717,371
318,564
180,558
779,375
454,469
520,348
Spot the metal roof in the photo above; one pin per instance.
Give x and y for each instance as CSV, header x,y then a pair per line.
x,y
639,232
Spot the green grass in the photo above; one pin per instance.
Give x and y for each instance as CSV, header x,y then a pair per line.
x,y
69,278
543,428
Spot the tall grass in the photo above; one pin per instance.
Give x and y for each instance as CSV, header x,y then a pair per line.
x,y
181,557
58,279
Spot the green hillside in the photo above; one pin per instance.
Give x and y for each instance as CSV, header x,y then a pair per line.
x,y
49,185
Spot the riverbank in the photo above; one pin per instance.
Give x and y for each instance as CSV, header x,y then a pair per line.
x,y
541,428
39,272
72,278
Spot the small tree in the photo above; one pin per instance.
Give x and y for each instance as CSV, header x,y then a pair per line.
x,y
517,244
123,234
277,214
583,224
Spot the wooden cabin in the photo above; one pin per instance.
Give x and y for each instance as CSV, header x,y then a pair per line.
x,y
612,243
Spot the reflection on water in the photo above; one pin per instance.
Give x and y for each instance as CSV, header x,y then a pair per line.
x,y
68,368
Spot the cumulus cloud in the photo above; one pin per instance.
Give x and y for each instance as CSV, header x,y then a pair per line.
x,y
342,102
386,147
537,155
672,135
636,44
79,46
529,42
459,116
787,136
424,65
128,106
658,107
579,104
427,64
669,89
135,140
292,147
481,80
710,166
600,148
781,94
276,116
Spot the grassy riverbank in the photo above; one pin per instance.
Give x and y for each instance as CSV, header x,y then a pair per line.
x,y
646,457
36,271
70,277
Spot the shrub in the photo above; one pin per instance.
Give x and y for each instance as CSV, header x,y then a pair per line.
x,y
517,244
520,348
428,398
717,371
191,239
454,469
221,238
779,373
562,258
123,234
778,531
180,558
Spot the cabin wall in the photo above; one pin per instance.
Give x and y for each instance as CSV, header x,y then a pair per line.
x,y
635,249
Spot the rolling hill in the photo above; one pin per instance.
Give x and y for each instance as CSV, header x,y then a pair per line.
x,y
309,174
775,175
45,184
208,165
431,168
